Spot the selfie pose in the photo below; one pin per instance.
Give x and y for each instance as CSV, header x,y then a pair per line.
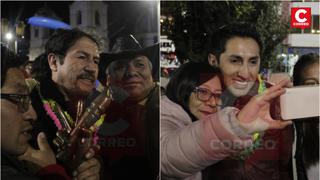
x,y
196,133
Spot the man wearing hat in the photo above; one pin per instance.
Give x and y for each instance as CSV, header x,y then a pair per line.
x,y
129,135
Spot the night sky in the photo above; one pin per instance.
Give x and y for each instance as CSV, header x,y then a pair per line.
x,y
121,14
16,11
19,10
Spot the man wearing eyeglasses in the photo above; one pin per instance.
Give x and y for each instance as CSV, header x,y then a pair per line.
x,y
236,49
17,117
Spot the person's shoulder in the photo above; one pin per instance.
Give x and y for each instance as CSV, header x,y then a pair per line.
x,y
169,107
172,115
165,102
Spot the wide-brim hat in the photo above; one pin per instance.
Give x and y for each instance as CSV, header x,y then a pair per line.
x,y
126,48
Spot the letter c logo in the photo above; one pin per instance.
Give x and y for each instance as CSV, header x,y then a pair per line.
x,y
297,14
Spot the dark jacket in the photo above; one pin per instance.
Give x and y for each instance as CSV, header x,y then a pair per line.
x,y
44,123
14,169
271,161
129,139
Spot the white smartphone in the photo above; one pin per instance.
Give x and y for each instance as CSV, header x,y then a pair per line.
x,y
300,102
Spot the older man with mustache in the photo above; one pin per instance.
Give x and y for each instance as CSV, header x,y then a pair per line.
x,y
66,73
129,136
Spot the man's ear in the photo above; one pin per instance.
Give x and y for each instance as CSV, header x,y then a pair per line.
x,y
212,60
53,61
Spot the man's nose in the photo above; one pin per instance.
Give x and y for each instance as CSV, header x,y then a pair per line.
x,y
92,64
130,69
30,114
91,67
244,71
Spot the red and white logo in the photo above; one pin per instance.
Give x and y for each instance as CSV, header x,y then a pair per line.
x,y
301,17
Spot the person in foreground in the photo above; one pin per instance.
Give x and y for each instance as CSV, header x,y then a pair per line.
x,y
17,117
306,157
237,48
66,73
129,136
196,133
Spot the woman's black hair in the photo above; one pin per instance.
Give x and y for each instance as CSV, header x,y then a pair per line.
x,y
185,79
304,61
307,129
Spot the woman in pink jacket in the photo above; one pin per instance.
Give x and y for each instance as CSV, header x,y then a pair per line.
x,y
196,133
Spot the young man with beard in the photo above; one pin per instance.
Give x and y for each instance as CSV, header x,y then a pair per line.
x,y
237,50
129,136
66,72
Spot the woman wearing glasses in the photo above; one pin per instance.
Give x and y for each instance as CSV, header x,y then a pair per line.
x,y
196,133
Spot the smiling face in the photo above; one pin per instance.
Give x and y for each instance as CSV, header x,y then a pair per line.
x,y
199,108
15,125
79,70
240,64
132,75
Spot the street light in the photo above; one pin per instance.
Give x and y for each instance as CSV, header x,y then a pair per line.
x,y
12,42
9,36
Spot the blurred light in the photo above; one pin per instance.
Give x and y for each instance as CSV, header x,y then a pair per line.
x,y
22,37
313,31
48,23
20,27
318,31
9,36
161,20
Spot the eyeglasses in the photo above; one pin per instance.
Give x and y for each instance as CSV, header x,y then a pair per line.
x,y
21,100
204,94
